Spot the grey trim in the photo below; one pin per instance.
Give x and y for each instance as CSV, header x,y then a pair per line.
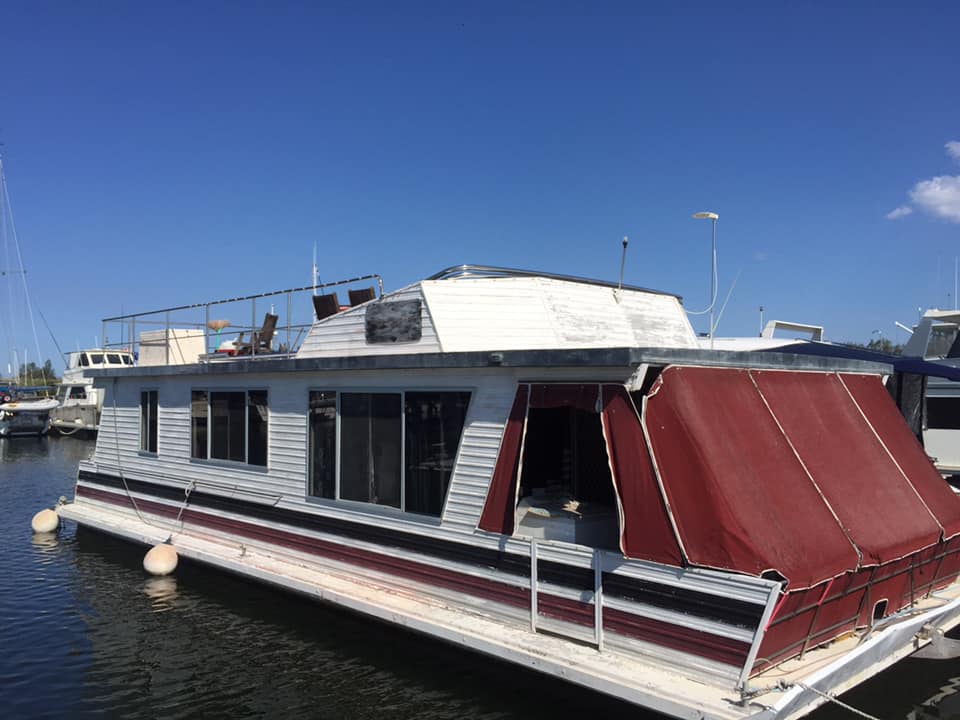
x,y
622,357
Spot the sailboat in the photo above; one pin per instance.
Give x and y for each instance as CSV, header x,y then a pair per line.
x,y
23,410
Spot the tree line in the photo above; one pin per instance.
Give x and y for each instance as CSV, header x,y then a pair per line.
x,y
33,374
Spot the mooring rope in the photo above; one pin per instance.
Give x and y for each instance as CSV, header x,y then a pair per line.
x,y
116,441
133,501
831,698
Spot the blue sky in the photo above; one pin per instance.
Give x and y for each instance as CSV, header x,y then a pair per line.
x,y
173,153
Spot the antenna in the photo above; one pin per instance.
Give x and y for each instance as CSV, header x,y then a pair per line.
x,y
623,262
314,280
725,301
761,321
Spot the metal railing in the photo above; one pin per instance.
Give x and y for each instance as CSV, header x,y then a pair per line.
x,y
536,619
174,327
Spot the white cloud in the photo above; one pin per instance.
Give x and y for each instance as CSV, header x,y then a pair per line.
x,y
953,149
939,196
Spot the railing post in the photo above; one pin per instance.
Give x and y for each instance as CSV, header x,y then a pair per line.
x,y
289,318
253,326
166,338
206,328
598,599
533,585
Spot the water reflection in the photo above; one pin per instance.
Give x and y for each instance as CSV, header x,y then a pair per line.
x,y
162,592
44,543
18,448
244,650
945,703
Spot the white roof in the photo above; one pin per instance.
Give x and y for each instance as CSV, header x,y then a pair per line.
x,y
514,313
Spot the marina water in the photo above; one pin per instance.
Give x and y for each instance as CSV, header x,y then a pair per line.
x,y
84,632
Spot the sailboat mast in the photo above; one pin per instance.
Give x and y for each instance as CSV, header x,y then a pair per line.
x,y
7,210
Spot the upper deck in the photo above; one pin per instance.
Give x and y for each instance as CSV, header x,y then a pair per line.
x,y
464,316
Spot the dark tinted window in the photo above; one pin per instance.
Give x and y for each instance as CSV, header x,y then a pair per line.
x,y
227,420
370,447
434,424
323,444
148,420
943,413
198,421
257,427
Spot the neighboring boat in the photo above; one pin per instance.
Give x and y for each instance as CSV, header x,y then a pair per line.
x,y
80,403
24,411
935,339
550,471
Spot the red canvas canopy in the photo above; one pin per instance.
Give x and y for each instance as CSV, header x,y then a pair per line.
x,y
808,475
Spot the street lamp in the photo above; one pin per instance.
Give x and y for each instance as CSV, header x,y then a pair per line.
x,y
713,274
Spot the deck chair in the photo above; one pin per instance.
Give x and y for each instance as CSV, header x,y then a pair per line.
x,y
361,296
325,305
261,339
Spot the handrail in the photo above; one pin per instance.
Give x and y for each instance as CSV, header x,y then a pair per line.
x,y
181,318
321,286
455,271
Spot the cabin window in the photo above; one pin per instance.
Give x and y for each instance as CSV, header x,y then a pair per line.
x,y
84,360
257,427
96,358
323,444
229,425
114,359
370,429
78,392
127,360
433,425
148,420
943,413
198,422
395,448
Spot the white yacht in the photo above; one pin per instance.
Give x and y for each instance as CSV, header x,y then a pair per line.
x,y
80,403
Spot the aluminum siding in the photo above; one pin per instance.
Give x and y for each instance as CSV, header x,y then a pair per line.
x,y
345,332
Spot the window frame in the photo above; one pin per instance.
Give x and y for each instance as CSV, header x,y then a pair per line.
x,y
375,508
155,430
245,463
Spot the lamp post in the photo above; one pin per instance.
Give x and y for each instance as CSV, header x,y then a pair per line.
x,y
713,268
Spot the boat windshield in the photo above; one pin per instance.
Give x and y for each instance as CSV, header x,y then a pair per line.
x,y
941,339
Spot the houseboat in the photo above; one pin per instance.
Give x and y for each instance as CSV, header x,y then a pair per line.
x,y
550,471
80,403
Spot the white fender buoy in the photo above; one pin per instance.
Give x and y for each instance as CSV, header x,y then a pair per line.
x,y
160,559
45,521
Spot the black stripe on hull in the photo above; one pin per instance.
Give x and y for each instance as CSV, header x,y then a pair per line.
x,y
729,611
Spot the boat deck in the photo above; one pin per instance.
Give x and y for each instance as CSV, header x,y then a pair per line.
x,y
624,675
